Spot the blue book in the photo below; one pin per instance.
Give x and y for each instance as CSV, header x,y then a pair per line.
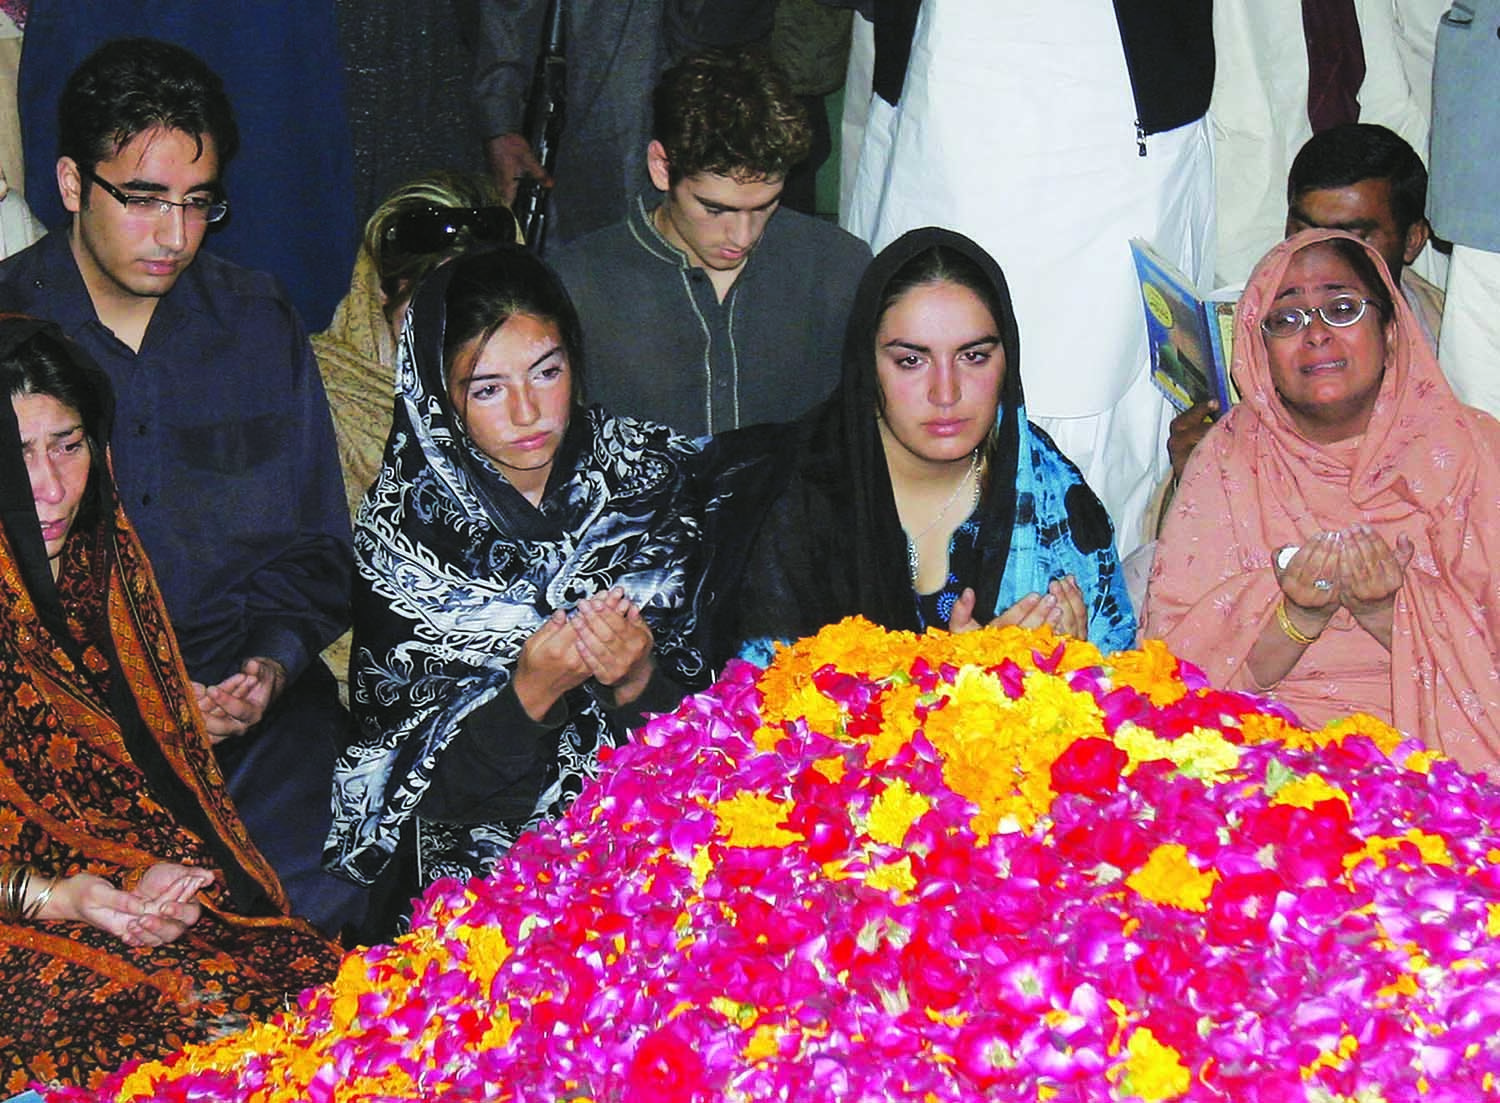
x,y
1191,334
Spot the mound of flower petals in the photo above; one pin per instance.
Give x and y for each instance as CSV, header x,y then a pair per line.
x,y
991,866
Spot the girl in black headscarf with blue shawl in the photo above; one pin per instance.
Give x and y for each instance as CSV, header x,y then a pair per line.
x,y
918,495
523,590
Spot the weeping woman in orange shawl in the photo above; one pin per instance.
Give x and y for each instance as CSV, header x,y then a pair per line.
x,y
1334,540
135,915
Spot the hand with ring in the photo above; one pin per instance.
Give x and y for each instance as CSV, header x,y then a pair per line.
x,y
1308,577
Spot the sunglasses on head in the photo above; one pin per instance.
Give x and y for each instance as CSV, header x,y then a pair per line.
x,y
435,229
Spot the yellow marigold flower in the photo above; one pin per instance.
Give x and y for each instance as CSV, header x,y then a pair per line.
x,y
1201,753
822,714
1169,877
1432,848
752,819
1055,706
701,866
1403,986
1308,791
895,875
1336,1059
1420,762
741,1014
832,768
838,870
765,1042
487,951
1153,1071
1140,745
1151,670
767,736
894,811
1205,754
1492,921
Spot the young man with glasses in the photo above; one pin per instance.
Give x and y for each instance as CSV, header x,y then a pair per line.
x,y
223,449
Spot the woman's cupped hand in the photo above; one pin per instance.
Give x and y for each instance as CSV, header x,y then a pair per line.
x,y
158,910
1061,608
1354,569
604,638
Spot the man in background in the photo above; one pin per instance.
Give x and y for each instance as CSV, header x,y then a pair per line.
x,y
707,307
614,50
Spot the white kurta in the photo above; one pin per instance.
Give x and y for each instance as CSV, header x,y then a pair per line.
x,y
1017,128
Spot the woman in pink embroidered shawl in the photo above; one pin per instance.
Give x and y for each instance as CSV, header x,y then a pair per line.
x,y
1333,539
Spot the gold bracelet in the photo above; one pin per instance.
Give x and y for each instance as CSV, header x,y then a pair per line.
x,y
34,908
1291,630
14,880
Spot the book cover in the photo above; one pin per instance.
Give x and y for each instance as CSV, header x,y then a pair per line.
x,y
1190,334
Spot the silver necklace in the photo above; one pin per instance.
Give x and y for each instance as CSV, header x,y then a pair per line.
x,y
912,561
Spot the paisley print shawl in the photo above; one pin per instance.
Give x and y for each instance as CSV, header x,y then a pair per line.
x,y
456,570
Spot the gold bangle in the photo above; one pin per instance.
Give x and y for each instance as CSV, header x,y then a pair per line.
x,y
14,880
34,908
1292,632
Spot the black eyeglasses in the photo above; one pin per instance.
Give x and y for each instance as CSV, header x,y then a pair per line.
x,y
434,229
1340,312
197,208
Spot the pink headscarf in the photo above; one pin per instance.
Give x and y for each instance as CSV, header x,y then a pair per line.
x,y
1426,466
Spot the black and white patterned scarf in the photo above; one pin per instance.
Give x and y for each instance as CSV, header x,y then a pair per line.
x,y
456,569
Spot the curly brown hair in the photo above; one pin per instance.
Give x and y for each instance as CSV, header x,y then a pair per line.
x,y
731,113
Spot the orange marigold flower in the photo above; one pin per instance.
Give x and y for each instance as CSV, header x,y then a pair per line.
x,y
1152,670
1378,731
1261,727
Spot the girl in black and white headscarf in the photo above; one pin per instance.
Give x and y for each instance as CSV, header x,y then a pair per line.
x,y
523,590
